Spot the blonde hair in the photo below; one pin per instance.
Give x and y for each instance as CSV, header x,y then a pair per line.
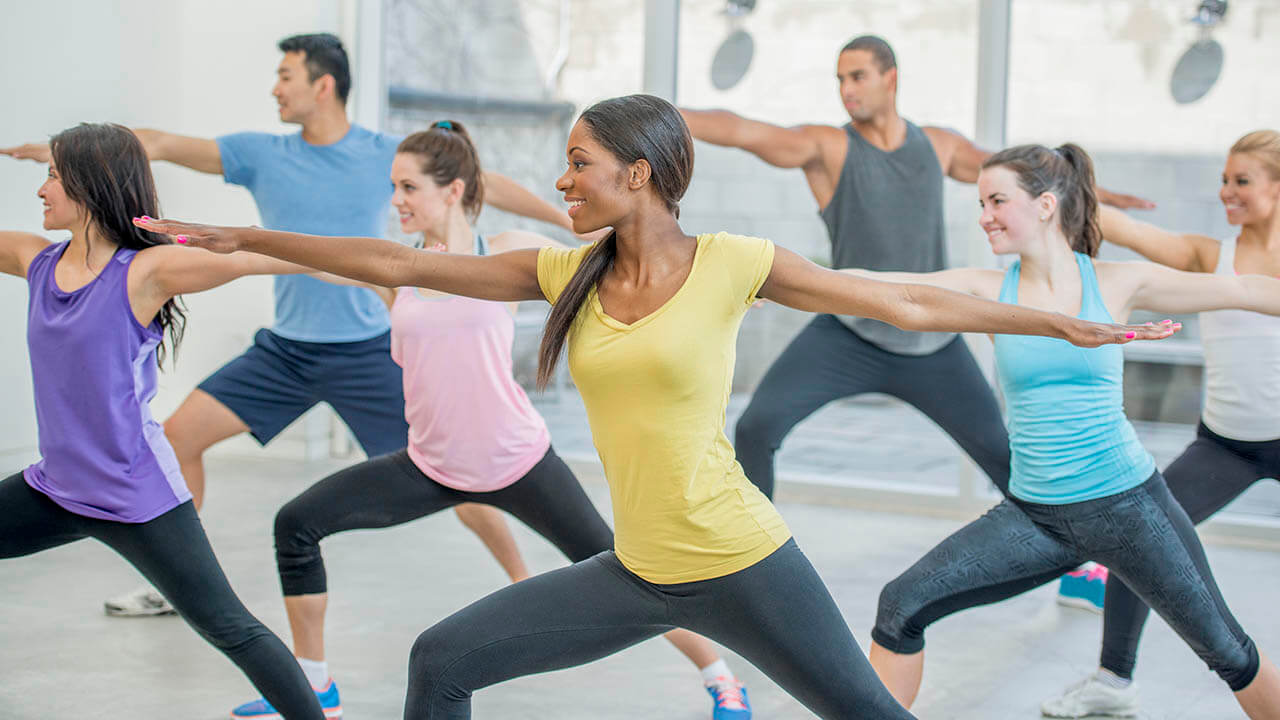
x,y
1264,145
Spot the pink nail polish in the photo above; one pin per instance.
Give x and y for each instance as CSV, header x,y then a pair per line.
x,y
1131,335
181,239
1167,322
147,218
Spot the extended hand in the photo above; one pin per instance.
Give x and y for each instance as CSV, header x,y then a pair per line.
x,y
1123,201
210,237
31,151
1092,334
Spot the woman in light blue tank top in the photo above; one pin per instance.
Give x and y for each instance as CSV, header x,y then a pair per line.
x,y
100,305
1082,486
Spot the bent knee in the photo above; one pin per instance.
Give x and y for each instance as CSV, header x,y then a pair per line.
x,y
899,627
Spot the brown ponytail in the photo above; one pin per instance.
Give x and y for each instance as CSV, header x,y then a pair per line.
x,y
632,128
447,154
1067,172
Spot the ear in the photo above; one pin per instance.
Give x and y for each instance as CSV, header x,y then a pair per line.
x,y
891,79
325,87
456,188
1047,203
638,174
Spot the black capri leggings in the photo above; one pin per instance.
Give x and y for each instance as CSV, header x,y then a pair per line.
x,y
1141,534
777,614
173,553
828,361
1210,473
390,490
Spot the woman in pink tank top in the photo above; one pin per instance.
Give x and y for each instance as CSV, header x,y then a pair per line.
x,y
474,436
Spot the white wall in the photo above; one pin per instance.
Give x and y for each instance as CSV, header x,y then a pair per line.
x,y
197,68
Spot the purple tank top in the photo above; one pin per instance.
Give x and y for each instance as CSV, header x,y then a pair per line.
x,y
94,372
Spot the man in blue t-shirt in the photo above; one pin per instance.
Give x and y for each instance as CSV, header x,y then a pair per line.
x,y
330,343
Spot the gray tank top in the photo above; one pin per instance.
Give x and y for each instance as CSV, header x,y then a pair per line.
x,y
886,214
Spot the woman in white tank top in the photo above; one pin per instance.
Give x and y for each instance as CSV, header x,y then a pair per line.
x,y
1238,441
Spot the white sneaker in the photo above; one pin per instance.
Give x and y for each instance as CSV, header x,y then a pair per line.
x,y
142,602
1091,697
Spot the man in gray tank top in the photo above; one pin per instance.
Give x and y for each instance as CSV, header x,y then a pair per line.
x,y
878,183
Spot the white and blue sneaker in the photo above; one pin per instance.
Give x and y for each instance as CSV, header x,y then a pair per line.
x,y
260,709
729,700
1084,588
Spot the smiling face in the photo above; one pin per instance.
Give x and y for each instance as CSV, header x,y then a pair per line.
x,y
864,89
594,184
421,203
296,95
1249,193
1010,217
60,211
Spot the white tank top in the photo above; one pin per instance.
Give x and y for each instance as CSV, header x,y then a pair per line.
x,y
1241,367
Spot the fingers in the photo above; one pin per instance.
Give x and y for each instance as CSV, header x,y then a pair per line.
x,y
178,230
1152,331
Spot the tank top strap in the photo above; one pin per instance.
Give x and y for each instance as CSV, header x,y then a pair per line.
x,y
1226,257
482,245
1092,306
1009,289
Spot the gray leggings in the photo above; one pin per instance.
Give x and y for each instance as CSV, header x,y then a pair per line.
x,y
828,361
1142,535
1211,472
777,614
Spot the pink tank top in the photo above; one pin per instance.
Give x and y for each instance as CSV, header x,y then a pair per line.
x,y
471,426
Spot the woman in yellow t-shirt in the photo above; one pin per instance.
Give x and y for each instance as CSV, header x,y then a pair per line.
x,y
650,316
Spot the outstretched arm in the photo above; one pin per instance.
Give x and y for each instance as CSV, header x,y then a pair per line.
x,y
17,250
504,193
798,283
505,276
196,153
1193,253
793,147
1168,291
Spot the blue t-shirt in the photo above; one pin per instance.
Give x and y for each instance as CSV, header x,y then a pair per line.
x,y
1069,436
343,189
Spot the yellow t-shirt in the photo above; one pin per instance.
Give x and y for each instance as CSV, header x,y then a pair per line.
x,y
655,393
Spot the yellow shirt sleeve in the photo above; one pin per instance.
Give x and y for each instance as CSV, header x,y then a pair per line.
x,y
556,267
750,260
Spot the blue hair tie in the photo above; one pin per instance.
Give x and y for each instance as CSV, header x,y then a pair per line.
x,y
445,124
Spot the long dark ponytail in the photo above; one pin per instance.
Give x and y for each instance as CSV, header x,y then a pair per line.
x,y
105,170
1067,172
632,128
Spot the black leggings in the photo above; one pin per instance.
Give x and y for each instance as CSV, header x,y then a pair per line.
x,y
1210,473
390,490
174,554
828,361
1141,534
777,614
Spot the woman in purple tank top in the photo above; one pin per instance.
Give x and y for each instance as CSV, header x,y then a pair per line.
x,y
100,307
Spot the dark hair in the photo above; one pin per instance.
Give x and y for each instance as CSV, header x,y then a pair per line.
x,y
1067,172
879,49
448,154
324,55
104,169
632,128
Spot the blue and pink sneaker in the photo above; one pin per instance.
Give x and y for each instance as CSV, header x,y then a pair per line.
x,y
729,700
260,709
1084,588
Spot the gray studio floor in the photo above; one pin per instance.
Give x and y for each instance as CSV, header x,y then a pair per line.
x,y
63,659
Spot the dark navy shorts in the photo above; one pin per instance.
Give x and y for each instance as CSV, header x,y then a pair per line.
x,y
278,379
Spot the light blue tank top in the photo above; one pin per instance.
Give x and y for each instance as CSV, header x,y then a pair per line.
x,y
1069,436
